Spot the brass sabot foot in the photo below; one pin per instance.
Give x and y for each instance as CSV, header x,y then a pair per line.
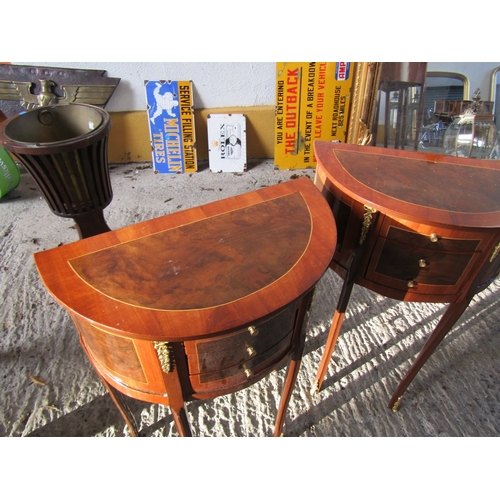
x,y
315,388
395,406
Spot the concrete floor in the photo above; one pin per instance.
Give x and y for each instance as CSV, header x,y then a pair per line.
x,y
457,393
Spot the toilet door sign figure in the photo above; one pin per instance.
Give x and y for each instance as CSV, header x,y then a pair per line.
x,y
227,144
171,125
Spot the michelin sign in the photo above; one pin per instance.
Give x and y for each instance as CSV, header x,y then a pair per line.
x,y
171,125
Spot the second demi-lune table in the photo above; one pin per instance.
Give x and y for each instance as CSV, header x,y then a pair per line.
x,y
411,226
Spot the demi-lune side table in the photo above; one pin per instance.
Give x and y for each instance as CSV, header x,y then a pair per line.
x,y
199,303
411,226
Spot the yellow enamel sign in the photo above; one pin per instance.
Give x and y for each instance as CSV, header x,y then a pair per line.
x,y
312,103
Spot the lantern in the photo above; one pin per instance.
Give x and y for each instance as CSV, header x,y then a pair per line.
x,y
472,134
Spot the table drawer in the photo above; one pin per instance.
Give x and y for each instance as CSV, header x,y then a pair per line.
x,y
241,373
434,239
404,262
406,259
207,356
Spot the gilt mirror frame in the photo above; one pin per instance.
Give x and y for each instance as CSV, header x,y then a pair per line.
x,y
450,74
363,100
493,84
493,95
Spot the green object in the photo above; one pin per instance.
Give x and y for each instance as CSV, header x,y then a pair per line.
x,y
10,177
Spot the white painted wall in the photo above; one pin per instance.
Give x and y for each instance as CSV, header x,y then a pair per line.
x,y
216,85
226,84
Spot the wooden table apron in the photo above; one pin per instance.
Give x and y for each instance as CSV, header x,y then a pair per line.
x,y
411,226
198,303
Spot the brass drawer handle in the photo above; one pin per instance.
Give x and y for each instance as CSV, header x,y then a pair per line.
x,y
433,237
422,263
251,351
411,284
254,331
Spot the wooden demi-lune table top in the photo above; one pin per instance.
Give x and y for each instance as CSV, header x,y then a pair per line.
x,y
435,188
197,272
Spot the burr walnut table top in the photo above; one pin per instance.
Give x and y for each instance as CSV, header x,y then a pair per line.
x,y
200,271
420,186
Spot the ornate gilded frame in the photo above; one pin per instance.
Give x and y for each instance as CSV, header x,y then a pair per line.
x,y
493,95
363,102
449,74
493,83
